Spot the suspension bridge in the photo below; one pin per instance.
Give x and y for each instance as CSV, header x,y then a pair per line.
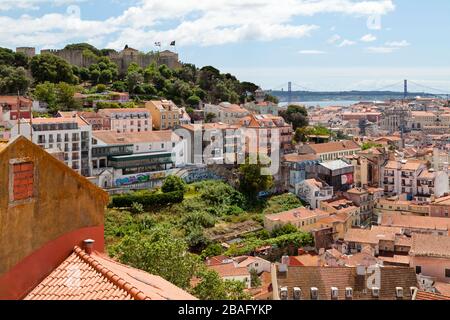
x,y
402,89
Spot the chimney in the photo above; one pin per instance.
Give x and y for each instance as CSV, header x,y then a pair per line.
x,y
88,246
284,264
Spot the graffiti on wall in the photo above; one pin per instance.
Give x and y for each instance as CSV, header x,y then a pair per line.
x,y
140,178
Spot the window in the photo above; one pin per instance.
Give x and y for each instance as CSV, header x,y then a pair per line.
x,y
22,184
418,269
447,273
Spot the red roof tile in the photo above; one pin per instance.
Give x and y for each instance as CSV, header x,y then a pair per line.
x,y
96,277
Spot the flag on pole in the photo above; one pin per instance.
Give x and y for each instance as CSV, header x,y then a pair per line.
x,y
173,43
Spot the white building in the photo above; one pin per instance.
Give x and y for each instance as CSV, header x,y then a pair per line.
x,y
313,192
139,159
400,177
432,184
69,135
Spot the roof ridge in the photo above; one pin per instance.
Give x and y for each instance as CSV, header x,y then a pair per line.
x,y
134,292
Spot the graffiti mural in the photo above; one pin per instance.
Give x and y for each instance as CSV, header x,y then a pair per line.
x,y
140,178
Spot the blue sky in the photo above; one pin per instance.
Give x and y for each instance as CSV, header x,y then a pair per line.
x,y
318,44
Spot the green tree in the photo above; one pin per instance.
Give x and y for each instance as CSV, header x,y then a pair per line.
x,y
296,115
254,278
210,117
48,67
134,79
13,80
251,179
46,92
212,287
159,252
173,183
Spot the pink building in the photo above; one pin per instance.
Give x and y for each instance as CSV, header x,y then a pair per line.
x,y
430,256
440,207
128,119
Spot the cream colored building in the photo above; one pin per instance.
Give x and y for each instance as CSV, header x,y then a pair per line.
x,y
165,114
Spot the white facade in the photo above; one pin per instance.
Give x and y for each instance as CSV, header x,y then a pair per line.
x,y
312,192
69,135
128,120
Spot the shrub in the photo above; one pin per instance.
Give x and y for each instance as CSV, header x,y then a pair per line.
x,y
147,200
172,184
137,208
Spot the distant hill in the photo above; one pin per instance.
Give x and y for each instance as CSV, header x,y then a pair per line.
x,y
346,95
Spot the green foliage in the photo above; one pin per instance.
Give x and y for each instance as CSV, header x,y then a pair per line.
x,y
255,280
13,59
137,208
212,287
148,200
48,67
251,179
369,145
284,202
159,252
172,184
59,97
212,250
84,47
13,80
284,230
296,115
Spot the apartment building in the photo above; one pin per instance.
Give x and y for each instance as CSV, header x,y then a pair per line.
x,y
313,192
69,135
416,224
226,112
264,127
302,218
343,207
294,169
432,185
400,177
128,119
165,114
136,160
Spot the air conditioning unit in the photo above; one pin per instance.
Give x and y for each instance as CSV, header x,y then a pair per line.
x,y
297,293
399,292
375,292
349,293
284,293
334,293
314,293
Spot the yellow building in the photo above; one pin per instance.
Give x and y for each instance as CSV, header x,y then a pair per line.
x,y
165,114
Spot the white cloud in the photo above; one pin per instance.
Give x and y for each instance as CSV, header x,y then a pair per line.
x,y
193,22
368,38
335,38
311,52
389,47
346,43
398,44
381,49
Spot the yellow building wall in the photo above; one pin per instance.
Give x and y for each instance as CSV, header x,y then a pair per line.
x,y
63,202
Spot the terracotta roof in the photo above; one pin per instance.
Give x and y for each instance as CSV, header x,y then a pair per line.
x,y
96,277
409,165
112,137
424,245
372,236
108,111
300,157
296,214
416,222
229,270
334,147
324,278
422,295
77,119
396,259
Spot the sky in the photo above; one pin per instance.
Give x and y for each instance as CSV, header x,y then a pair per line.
x,y
315,44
